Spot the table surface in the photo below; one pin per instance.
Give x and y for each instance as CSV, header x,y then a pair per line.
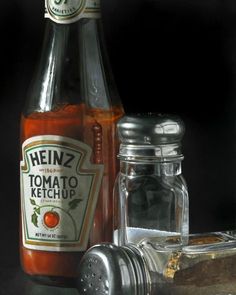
x,y
13,281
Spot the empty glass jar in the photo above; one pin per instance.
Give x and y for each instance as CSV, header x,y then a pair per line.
x,y
150,193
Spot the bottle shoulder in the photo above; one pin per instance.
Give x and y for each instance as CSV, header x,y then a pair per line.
x,y
69,111
71,120
72,70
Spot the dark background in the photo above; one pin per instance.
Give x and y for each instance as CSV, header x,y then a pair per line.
x,y
167,56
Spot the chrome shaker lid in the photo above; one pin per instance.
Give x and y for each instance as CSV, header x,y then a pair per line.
x,y
108,269
150,135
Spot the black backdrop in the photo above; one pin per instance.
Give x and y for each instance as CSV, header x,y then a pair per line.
x,y
167,56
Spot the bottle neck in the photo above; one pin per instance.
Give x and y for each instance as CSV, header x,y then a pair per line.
x,y
66,12
72,68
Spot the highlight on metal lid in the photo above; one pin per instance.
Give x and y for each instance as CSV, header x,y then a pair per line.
x,y
108,269
150,128
150,135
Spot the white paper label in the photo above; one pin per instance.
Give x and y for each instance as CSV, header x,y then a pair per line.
x,y
59,190
68,11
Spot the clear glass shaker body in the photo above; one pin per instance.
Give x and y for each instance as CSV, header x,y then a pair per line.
x,y
203,266
153,201
150,190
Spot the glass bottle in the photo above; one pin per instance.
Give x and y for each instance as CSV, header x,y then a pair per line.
x,y
161,265
150,191
69,145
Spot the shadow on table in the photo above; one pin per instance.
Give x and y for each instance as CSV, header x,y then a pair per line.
x,y
14,281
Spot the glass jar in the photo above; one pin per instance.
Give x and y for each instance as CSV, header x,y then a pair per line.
x,y
150,193
161,266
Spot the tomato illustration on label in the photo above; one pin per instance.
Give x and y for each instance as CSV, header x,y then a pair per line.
x,y
51,219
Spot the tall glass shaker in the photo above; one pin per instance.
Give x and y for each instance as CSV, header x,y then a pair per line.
x,y
150,192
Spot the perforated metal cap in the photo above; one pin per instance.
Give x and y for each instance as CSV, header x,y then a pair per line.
x,y
150,128
155,135
110,270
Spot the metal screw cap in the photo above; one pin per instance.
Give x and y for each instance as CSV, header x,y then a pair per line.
x,y
150,135
150,129
108,270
